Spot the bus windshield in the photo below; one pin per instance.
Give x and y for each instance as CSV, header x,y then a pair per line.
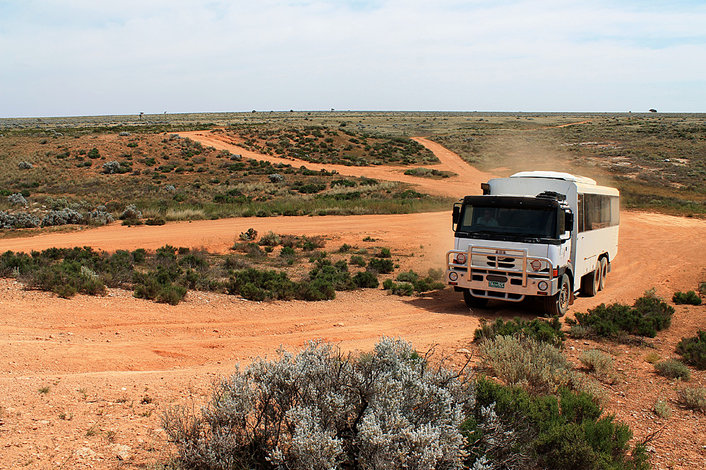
x,y
509,222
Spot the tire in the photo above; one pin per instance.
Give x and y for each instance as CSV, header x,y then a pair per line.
x,y
604,273
590,283
558,304
472,301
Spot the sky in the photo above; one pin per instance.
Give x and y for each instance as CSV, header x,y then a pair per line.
x,y
102,57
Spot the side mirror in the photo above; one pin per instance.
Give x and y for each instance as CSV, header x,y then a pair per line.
x,y
455,216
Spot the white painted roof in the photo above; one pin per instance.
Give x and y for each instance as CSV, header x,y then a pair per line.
x,y
557,175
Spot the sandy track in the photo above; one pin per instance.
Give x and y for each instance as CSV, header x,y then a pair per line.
x,y
101,356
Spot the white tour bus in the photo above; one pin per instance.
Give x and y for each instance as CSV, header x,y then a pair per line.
x,y
536,233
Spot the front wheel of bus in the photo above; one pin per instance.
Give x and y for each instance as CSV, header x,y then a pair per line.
x,y
558,305
604,273
472,301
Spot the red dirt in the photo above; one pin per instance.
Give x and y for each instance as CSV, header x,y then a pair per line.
x,y
113,364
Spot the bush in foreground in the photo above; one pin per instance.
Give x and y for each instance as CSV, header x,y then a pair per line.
x,y
648,315
320,409
693,349
515,429
524,361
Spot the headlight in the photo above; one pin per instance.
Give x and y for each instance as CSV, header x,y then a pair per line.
x,y
453,276
461,258
542,285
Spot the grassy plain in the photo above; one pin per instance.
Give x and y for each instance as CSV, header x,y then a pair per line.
x,y
658,161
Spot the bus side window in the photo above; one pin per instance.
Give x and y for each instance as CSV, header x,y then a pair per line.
x,y
581,213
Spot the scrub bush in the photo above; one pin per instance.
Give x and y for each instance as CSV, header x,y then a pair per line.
x,y
99,216
510,428
693,349
17,199
159,285
18,220
381,265
538,366
357,260
648,315
62,217
544,331
599,363
673,369
366,279
693,398
320,409
67,278
688,298
131,213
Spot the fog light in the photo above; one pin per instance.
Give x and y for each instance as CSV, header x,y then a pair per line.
x,y
542,285
453,276
461,258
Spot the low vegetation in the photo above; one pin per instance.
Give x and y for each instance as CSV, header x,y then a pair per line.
x,y
169,273
693,349
390,408
648,315
320,144
673,369
537,329
429,173
410,283
600,364
688,298
693,398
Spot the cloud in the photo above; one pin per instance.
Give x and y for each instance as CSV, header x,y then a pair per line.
x,y
88,57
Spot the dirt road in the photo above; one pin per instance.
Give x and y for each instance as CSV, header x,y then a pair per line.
x,y
83,381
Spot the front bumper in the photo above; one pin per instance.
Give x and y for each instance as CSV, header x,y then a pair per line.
x,y
505,274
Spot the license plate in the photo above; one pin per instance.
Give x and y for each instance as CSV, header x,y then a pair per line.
x,y
496,284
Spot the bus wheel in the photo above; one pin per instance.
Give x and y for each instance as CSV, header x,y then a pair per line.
x,y
473,302
558,305
604,273
590,283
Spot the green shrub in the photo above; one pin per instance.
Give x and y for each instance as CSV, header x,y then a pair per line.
x,y
568,431
366,279
384,253
338,275
545,331
420,284
381,265
254,284
689,298
270,239
67,278
287,252
155,221
357,260
693,349
648,315
159,285
673,369
402,289
693,398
